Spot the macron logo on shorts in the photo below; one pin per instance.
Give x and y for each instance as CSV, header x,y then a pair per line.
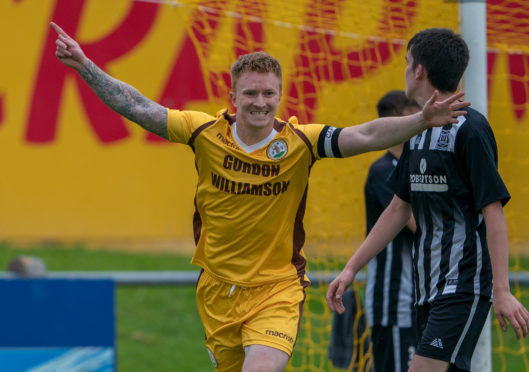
x,y
437,343
280,335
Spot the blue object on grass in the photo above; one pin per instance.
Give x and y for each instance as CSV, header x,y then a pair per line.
x,y
57,325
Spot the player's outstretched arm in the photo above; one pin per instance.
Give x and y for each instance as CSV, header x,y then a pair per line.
x,y
386,132
506,306
390,222
119,96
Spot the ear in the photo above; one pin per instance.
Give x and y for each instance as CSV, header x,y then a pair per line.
x,y
233,99
420,72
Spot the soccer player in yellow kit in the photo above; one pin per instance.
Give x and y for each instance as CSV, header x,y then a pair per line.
x,y
253,174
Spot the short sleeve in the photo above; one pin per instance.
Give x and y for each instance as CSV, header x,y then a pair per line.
x,y
313,133
477,151
182,124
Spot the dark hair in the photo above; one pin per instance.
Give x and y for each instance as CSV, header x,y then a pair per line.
x,y
393,103
444,55
255,62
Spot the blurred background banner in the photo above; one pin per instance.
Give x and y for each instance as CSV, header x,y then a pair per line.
x,y
57,325
71,169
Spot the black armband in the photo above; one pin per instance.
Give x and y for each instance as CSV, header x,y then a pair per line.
x,y
328,143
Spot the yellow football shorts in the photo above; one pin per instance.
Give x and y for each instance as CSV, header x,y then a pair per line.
x,y
235,317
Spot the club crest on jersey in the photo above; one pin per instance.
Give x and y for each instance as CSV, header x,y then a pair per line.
x,y
444,139
277,149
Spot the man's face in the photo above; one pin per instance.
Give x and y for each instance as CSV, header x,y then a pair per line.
x,y
256,97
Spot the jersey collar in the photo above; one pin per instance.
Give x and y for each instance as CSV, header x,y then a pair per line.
x,y
255,146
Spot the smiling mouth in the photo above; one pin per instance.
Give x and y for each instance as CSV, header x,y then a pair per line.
x,y
259,113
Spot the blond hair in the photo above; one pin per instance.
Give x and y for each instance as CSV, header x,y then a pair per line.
x,y
255,62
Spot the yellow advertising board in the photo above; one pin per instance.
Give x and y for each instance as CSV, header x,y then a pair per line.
x,y
74,170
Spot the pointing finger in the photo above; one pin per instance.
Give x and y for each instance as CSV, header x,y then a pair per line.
x,y
58,30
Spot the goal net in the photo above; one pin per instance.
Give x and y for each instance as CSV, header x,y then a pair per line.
x,y
339,58
508,103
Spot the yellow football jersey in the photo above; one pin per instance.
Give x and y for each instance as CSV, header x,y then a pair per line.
x,y
248,222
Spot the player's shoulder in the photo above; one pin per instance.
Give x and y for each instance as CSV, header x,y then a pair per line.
x,y
474,114
191,116
293,127
183,125
474,123
293,123
474,119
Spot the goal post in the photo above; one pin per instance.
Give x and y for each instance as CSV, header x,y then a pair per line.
x,y
473,28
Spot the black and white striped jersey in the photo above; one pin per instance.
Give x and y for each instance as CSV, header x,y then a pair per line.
x,y
449,174
389,285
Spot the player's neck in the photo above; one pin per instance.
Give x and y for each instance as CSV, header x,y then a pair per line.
x,y
427,93
251,135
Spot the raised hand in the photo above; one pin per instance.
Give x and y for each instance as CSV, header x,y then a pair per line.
x,y
68,50
439,113
336,290
119,96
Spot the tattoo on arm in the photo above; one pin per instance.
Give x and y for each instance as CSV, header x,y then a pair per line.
x,y
126,100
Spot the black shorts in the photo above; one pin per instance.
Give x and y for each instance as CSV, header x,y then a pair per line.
x,y
393,347
449,328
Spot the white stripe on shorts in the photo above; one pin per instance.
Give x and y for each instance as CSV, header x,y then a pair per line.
x,y
465,330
